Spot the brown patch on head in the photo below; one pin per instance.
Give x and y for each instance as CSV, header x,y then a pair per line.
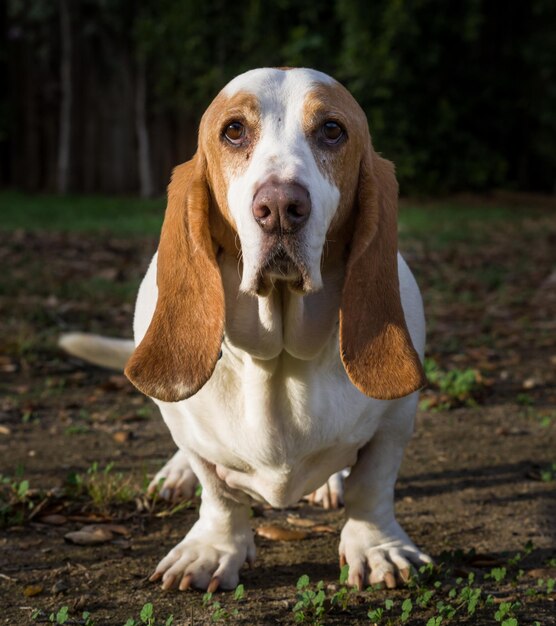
x,y
339,163
224,160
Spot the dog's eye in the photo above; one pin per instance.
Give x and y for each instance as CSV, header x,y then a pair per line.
x,y
332,132
235,133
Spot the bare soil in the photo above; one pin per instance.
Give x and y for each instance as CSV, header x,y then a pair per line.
x,y
475,488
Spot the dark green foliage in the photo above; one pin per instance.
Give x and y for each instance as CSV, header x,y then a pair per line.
x,y
461,95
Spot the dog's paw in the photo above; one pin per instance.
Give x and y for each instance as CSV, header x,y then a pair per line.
x,y
206,559
175,481
378,555
331,494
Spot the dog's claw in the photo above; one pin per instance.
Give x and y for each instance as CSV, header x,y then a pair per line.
x,y
405,575
185,582
156,575
342,560
389,580
213,585
168,582
359,582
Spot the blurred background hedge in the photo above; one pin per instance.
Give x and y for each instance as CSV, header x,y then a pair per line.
x,y
105,95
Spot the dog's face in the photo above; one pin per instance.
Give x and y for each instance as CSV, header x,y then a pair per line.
x,y
285,164
283,149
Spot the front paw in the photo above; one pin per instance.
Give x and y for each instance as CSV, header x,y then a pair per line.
x,y
206,559
175,481
331,494
378,555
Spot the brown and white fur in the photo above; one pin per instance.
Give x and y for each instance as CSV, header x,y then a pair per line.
x,y
279,252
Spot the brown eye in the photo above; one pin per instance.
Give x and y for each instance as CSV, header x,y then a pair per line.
x,y
235,133
332,132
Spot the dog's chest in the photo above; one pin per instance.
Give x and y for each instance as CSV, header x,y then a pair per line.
x,y
277,429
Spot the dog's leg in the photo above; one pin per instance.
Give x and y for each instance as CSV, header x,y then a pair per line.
x,y
373,544
218,544
176,480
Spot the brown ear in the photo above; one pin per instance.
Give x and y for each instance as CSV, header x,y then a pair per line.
x,y
376,349
180,349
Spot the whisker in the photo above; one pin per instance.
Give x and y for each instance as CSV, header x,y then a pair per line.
x,y
239,262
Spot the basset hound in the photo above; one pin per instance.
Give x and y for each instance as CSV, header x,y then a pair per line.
x,y
279,330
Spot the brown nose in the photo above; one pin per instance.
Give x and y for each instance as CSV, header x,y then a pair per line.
x,y
281,207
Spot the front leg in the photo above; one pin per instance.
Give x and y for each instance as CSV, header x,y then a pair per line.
x,y
372,542
214,550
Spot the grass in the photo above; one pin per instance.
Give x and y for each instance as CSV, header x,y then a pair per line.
x,y
455,387
103,488
15,500
63,616
435,596
440,223
91,214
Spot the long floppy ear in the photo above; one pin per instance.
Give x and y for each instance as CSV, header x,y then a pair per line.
x,y
180,349
375,346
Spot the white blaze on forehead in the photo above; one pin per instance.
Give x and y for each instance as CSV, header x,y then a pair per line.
x,y
282,152
267,80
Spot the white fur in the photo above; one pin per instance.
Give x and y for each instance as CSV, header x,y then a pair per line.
x,y
104,351
282,152
279,416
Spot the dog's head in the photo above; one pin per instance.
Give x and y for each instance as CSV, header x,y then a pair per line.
x,y
285,162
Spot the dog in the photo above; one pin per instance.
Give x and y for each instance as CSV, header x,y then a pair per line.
x,y
279,330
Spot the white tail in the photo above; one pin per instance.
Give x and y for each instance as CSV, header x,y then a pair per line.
x,y
104,351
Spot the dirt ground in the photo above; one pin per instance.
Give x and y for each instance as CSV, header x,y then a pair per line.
x,y
477,486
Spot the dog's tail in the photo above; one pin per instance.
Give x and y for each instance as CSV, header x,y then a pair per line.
x,y
104,351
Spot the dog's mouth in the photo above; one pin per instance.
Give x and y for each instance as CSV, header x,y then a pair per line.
x,y
282,264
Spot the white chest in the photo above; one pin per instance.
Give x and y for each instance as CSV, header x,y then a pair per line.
x,y
276,429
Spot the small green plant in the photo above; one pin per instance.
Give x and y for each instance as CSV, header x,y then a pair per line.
x,y
341,598
497,573
16,500
548,473
87,621
218,611
309,607
546,419
239,593
147,617
62,617
456,387
376,615
407,608
524,399
424,598
470,598
505,613
103,487
147,614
